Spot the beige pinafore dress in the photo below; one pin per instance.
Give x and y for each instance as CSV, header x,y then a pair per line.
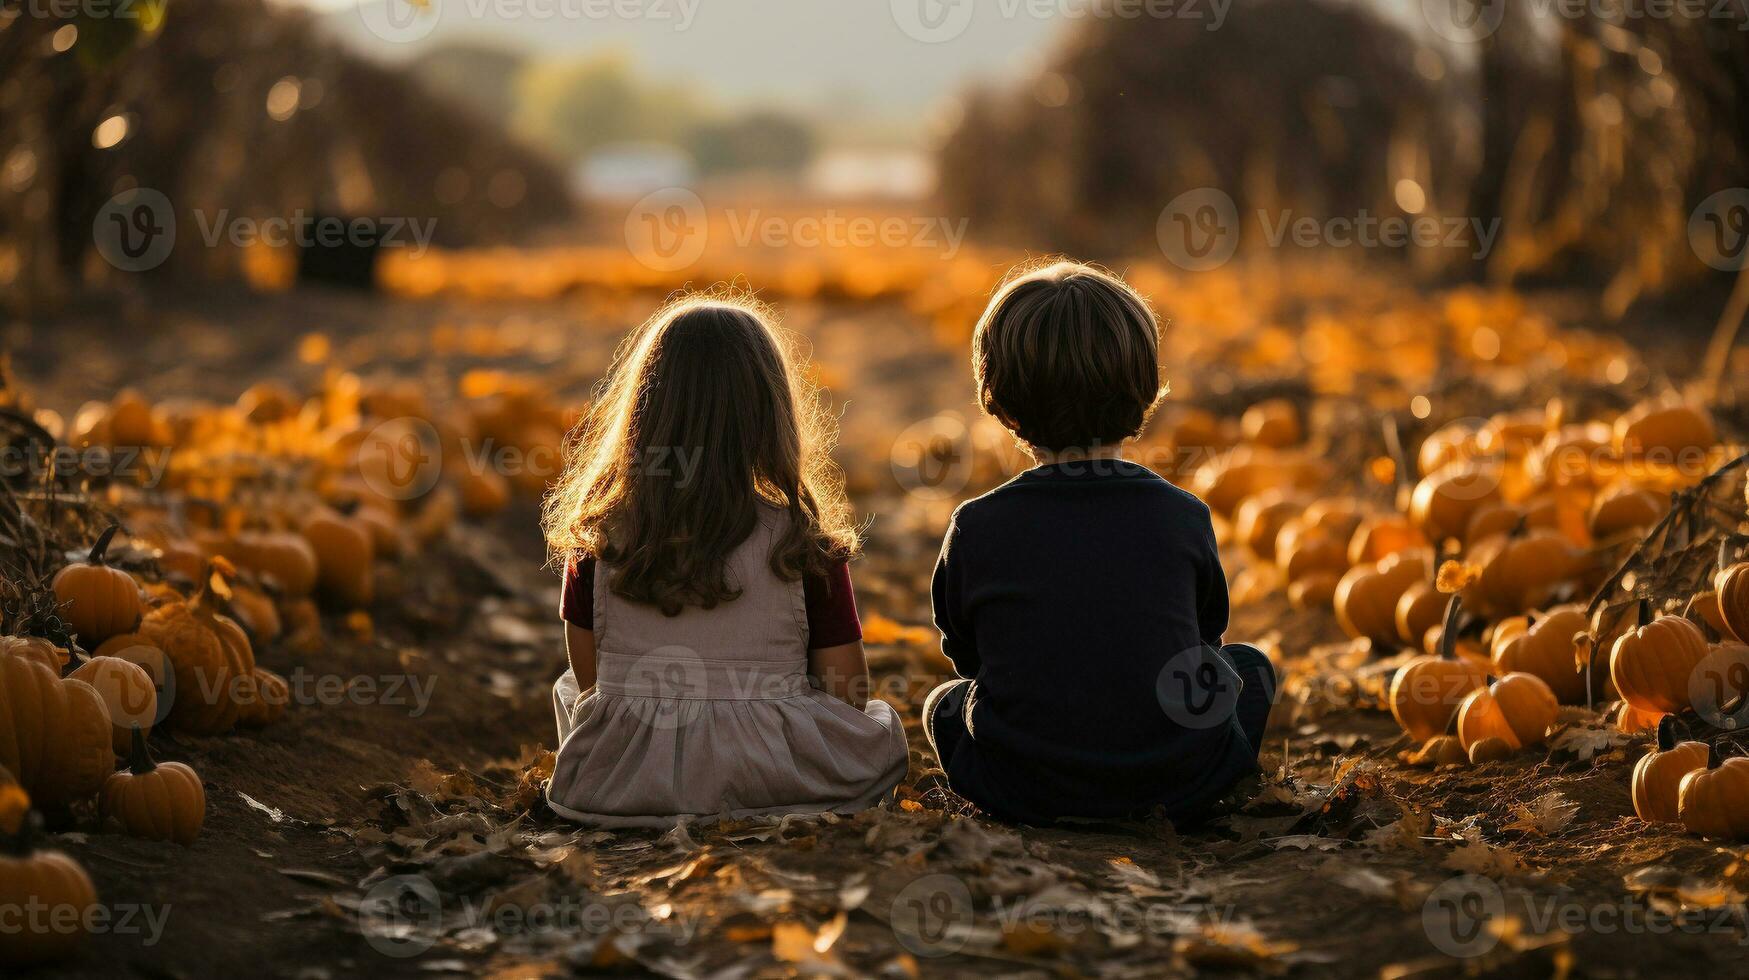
x,y
710,714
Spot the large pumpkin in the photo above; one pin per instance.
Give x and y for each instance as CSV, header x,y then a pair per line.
x,y
1653,664
1547,650
152,800
1664,433
97,601
1625,507
1425,692
54,732
1714,801
1377,538
1657,781
1517,709
35,648
208,667
1519,572
1366,597
50,882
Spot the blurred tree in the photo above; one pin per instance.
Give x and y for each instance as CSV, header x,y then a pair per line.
x,y
480,76
576,107
769,142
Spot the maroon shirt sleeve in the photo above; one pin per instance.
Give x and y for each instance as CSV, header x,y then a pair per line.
x,y
830,599
831,602
577,599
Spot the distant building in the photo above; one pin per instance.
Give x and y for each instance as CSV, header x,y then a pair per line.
x,y
872,172
633,170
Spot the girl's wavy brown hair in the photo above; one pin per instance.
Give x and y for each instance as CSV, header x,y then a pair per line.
x,y
702,416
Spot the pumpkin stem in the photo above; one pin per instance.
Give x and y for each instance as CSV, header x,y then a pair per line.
x,y
1712,756
1724,549
139,759
97,550
1448,631
1645,610
23,843
1666,733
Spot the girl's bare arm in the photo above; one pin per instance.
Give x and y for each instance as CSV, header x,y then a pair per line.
x,y
580,648
842,671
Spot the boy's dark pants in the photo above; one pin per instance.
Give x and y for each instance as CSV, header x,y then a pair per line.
x,y
944,719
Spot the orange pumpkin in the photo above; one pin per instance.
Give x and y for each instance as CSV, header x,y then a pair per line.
x,y
483,492
1517,709
1519,573
1714,801
1315,590
264,700
1663,432
1657,781
153,800
1366,597
1419,609
35,648
256,612
48,879
1547,650
1377,538
208,660
130,698
1444,500
97,601
1260,519
54,732
343,559
1630,720
1732,585
1625,508
281,557
1425,692
1653,664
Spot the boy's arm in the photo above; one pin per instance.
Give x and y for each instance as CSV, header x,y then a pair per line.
x,y
947,592
1212,609
580,650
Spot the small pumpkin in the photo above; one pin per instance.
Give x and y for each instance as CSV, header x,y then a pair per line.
x,y
1664,432
1714,801
97,601
483,492
1377,538
1440,750
1623,508
280,556
1732,585
1315,590
1630,720
136,649
1653,664
1517,709
343,559
256,612
1519,572
1366,597
1657,780
153,800
207,667
54,732
264,699
48,880
1443,502
1425,692
1490,749
130,698
1546,649
1260,519
1419,609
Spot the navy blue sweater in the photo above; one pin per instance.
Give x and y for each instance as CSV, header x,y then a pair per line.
x,y
1085,599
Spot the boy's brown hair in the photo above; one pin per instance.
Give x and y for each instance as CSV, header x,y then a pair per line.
x,y
1067,356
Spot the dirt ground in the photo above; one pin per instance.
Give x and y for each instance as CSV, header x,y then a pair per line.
x,y
388,826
